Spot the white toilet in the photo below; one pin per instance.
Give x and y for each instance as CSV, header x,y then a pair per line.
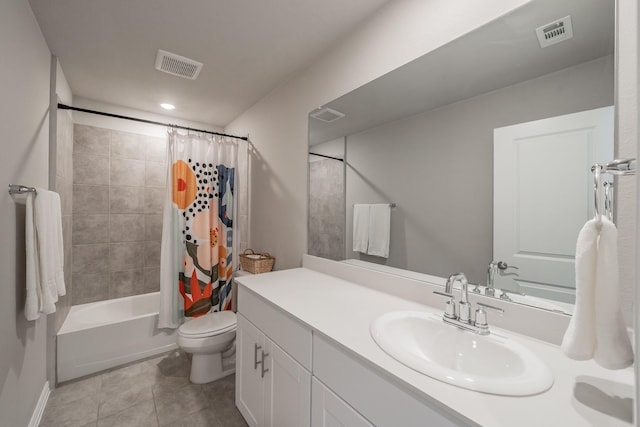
x,y
211,341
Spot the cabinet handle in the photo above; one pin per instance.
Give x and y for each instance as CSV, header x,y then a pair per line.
x,y
263,370
256,347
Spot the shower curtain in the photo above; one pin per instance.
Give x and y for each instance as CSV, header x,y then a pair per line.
x,y
198,231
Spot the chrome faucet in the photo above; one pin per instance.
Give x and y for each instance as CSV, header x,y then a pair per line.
x,y
464,306
496,267
491,275
463,319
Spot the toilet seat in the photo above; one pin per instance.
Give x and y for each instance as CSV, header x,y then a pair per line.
x,y
210,324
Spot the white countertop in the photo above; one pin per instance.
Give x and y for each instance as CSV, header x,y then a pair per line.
x,y
583,393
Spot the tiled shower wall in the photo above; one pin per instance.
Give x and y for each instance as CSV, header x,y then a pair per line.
x,y
118,193
326,209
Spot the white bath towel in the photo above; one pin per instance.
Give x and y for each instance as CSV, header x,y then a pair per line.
x,y
597,328
379,230
613,347
33,303
48,221
360,228
580,338
44,253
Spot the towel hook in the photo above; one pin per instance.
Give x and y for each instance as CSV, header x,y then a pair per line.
x,y
597,177
608,199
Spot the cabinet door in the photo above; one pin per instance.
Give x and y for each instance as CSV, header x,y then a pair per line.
x,y
249,382
287,390
328,410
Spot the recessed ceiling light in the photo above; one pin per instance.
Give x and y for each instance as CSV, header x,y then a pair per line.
x,y
167,106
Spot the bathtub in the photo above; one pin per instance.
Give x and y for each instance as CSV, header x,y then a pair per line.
x,y
100,335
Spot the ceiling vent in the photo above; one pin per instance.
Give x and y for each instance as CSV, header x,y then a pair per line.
x,y
555,32
177,65
327,115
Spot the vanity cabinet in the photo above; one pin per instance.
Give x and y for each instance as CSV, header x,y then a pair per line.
x,y
273,365
277,385
272,389
249,376
328,410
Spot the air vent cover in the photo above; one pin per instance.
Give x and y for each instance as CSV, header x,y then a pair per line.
x,y
177,65
555,32
327,115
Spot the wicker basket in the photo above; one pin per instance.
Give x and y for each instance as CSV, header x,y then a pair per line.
x,y
256,263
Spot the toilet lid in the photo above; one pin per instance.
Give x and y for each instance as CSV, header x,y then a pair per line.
x,y
209,324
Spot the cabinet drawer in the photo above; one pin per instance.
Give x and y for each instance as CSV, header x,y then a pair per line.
x,y
375,397
291,335
328,410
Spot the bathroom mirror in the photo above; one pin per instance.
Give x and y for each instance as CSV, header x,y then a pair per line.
x,y
422,138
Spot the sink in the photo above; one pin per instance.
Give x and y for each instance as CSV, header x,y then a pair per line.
x,y
489,364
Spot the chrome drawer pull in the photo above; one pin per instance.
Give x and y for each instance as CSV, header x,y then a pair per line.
x,y
263,370
256,347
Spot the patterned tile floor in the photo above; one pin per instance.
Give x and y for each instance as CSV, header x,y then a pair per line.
x,y
154,392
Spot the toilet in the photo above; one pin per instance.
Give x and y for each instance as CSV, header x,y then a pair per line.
x,y
211,341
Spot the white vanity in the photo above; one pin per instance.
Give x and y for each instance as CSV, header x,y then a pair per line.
x,y
305,356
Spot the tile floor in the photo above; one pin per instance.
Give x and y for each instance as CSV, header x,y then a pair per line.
x,y
154,392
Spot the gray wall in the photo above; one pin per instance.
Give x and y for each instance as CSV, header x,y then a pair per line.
x,y
438,167
119,180
24,126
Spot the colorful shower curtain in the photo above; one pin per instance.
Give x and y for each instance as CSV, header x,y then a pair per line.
x,y
197,234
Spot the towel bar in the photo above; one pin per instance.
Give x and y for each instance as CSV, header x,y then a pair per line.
x,y
615,167
20,189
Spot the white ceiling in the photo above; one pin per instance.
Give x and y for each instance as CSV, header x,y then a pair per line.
x,y
107,49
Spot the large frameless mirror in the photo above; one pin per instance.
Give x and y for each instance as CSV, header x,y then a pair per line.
x,y
482,146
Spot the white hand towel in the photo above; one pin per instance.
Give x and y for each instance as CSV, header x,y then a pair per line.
x,y
379,230
613,347
33,303
48,221
360,228
580,338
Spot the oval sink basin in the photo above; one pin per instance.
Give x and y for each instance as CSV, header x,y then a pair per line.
x,y
489,364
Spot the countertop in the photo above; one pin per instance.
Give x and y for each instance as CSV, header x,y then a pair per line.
x,y
583,393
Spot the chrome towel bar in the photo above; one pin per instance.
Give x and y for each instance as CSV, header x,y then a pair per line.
x,y
20,189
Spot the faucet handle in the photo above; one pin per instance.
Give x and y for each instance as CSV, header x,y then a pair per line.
x,y
450,306
481,317
505,296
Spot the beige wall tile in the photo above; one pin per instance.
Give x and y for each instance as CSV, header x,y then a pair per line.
x,y
90,229
90,140
128,173
90,199
126,227
126,256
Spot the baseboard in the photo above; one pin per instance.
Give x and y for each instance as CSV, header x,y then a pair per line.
x,y
36,417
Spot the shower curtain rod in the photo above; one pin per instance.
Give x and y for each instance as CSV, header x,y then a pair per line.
x,y
151,122
326,157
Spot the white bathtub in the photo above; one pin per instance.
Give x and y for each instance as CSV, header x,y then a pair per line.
x,y
104,334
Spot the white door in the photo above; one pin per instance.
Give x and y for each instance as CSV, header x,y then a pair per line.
x,y
328,410
287,390
543,195
249,382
